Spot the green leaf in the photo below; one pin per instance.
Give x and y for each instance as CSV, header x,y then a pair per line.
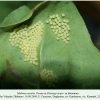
x,y
16,17
74,65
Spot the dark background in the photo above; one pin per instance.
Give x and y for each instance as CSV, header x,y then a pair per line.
x,y
89,10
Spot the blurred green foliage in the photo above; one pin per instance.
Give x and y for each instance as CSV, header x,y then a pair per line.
x,y
6,7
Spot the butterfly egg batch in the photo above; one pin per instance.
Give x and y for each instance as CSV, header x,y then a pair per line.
x,y
28,39
59,27
48,76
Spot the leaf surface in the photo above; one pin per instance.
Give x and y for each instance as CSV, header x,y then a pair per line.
x,y
76,64
16,17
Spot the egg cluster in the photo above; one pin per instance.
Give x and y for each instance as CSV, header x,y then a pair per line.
x,y
49,77
59,26
28,39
